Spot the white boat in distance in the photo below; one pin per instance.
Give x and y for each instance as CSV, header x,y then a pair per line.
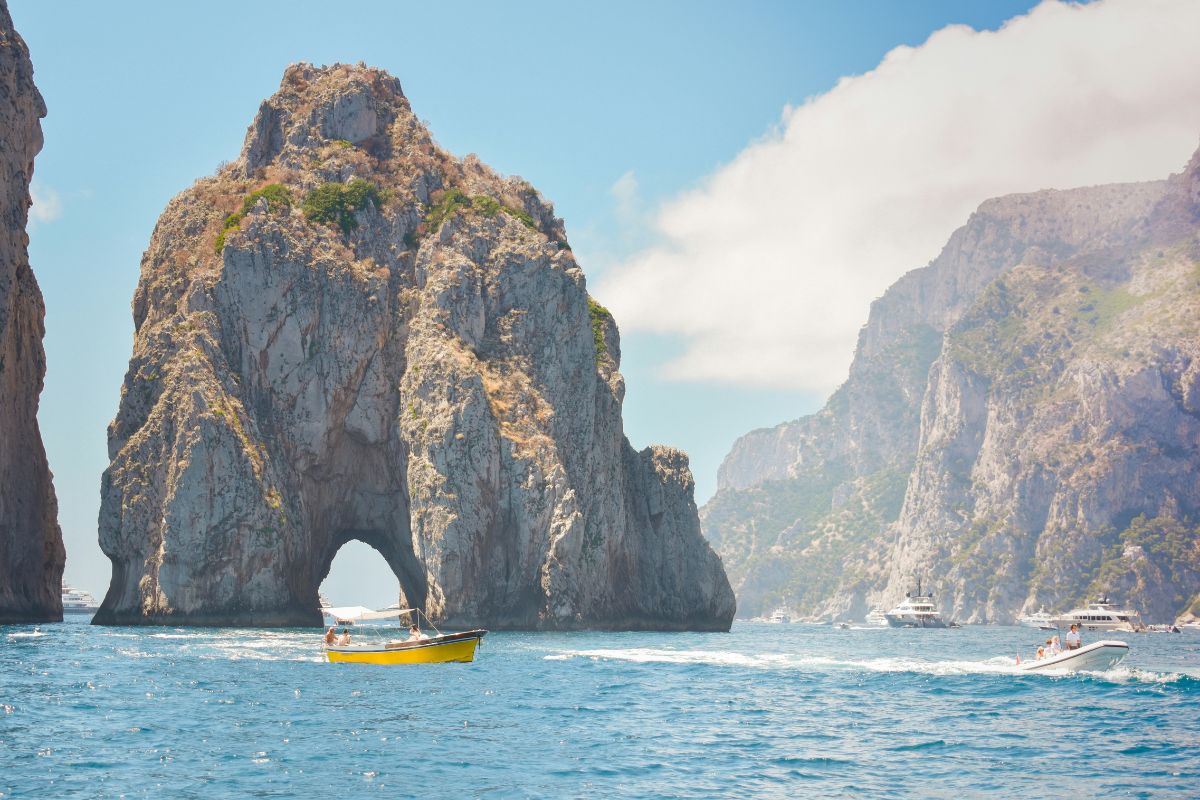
x,y
877,617
78,601
1042,620
780,615
358,616
1095,657
917,611
1102,615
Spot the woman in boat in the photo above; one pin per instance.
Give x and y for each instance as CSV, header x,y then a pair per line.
x,y
415,635
344,639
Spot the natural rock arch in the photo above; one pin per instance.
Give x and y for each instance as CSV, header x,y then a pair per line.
x,y
427,374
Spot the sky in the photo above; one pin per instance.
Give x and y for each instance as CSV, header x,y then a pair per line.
x,y
710,161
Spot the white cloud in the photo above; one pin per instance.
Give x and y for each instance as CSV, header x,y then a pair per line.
x,y
768,269
46,207
628,200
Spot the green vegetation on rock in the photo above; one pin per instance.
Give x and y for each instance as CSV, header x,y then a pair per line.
x,y
278,198
337,203
455,200
600,316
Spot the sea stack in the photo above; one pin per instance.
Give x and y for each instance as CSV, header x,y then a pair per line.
x,y
31,548
348,333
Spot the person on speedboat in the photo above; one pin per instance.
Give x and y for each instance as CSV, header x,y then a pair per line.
x,y
1073,642
415,635
1055,647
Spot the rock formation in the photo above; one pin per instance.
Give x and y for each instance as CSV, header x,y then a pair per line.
x,y
1018,427
349,334
31,548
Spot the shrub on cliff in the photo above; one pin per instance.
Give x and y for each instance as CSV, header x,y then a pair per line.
x,y
337,203
600,315
455,200
278,197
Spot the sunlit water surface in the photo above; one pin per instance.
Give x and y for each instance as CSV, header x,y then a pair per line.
x,y
764,711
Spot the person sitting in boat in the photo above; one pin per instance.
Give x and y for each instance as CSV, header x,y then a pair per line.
x,y
415,635
1041,652
331,636
344,639
1073,642
1055,647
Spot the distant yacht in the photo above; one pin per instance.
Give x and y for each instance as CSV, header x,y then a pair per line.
x,y
780,615
917,611
1043,620
78,601
877,617
1102,615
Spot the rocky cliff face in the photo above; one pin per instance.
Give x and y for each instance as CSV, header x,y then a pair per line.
x,y
349,334
31,548
1008,416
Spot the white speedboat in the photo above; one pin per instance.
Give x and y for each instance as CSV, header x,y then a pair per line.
x,y
1095,657
78,601
1042,620
917,611
877,617
780,615
1102,615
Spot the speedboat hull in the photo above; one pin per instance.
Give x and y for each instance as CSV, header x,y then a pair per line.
x,y
436,650
1095,657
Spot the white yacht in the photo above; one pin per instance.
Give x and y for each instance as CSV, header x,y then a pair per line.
x,y
917,611
78,601
780,615
1102,615
1042,620
877,617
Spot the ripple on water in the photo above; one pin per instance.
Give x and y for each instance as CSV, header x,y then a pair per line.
x,y
762,711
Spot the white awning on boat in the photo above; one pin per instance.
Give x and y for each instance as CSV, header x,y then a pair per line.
x,y
362,614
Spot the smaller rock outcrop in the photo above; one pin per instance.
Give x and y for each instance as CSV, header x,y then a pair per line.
x,y
31,548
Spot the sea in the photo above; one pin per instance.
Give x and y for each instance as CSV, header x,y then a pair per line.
x,y
765,711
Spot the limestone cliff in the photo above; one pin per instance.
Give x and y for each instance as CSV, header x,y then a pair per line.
x,y
347,333
31,548
953,450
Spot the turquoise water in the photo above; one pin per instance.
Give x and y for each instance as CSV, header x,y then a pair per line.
x,y
764,711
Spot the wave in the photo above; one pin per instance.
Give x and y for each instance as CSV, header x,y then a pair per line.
x,y
999,665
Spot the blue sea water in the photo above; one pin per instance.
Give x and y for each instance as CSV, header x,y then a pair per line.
x,y
763,711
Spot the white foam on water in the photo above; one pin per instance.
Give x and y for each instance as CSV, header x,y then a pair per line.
x,y
34,634
998,665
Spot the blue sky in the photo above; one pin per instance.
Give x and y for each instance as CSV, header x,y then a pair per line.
x,y
145,97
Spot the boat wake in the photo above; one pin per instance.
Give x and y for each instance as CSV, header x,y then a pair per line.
x,y
33,634
999,665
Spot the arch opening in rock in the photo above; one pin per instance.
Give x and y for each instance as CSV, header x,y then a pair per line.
x,y
365,567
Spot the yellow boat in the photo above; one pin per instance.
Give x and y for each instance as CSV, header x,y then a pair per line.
x,y
434,650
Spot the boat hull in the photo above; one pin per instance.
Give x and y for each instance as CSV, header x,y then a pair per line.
x,y
458,647
1095,657
915,621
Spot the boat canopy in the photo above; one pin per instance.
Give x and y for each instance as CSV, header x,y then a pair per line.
x,y
361,613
